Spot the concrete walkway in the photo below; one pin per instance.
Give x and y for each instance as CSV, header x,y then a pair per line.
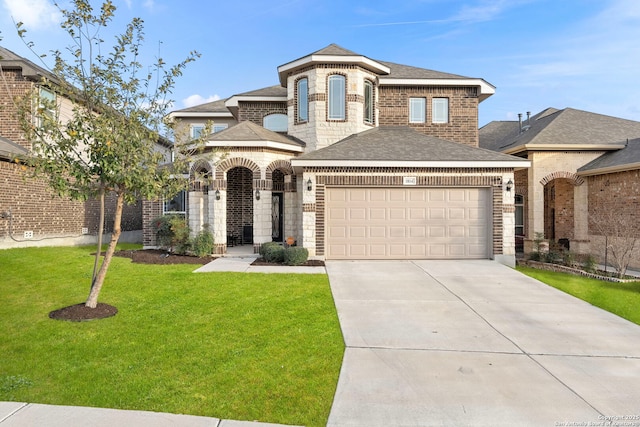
x,y
242,264
475,343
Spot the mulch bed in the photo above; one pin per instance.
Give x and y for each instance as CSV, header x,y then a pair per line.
x,y
309,263
82,313
155,256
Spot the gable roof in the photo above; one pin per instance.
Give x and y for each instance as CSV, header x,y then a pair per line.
x,y
622,160
249,134
552,129
10,60
403,146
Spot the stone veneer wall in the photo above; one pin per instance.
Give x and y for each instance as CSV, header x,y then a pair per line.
x,y
393,103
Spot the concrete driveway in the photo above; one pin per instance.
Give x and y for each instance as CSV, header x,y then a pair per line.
x,y
475,343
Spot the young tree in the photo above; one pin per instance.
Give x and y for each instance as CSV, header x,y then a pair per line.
x,y
621,236
107,142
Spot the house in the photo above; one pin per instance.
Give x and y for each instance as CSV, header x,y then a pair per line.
x,y
582,165
352,158
30,213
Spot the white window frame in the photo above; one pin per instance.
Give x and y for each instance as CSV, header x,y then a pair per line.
x,y
302,100
337,97
440,110
182,198
196,130
50,109
417,110
219,127
368,102
276,122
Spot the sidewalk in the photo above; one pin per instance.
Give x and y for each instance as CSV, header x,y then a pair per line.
x,y
243,265
18,414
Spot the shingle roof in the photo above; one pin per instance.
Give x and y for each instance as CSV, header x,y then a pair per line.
x,y
400,71
9,149
335,50
275,90
559,127
401,143
208,107
29,68
630,155
249,131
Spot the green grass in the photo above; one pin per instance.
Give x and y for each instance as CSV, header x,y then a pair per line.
x,y
263,347
622,299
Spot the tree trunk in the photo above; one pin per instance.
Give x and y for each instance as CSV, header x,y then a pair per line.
x,y
100,233
92,300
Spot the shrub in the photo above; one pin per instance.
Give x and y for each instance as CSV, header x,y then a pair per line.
x,y
265,247
295,255
180,242
203,242
274,253
162,227
589,264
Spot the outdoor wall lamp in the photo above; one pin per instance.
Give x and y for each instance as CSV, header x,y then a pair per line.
x,y
309,185
509,185
217,194
257,194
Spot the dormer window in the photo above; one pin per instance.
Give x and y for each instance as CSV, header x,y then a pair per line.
x,y
368,102
337,97
275,122
302,100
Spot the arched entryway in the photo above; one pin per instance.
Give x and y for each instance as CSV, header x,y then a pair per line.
x,y
240,205
560,207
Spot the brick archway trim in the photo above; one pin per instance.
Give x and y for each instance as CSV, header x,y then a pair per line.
x,y
284,166
234,162
572,177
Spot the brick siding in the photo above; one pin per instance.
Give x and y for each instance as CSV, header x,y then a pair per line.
x,y
256,111
618,192
393,105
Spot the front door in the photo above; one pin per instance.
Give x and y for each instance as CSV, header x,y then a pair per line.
x,y
277,217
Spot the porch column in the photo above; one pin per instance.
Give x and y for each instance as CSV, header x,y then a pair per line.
x,y
535,204
219,216
308,213
291,208
261,213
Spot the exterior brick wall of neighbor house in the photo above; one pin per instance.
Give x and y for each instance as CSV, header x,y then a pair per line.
x,y
619,192
151,209
255,111
393,103
17,86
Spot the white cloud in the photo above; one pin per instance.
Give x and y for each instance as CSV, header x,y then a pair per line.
x,y
34,14
198,99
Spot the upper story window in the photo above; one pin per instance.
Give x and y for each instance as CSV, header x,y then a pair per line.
x,y
46,104
417,110
196,131
368,102
218,127
440,110
276,122
302,101
337,97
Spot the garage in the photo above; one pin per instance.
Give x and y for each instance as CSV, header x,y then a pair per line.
x,y
407,223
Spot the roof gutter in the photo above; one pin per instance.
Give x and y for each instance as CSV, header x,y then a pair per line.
x,y
563,147
412,164
486,88
610,169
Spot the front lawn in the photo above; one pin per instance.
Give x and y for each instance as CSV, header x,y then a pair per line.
x,y
622,299
263,347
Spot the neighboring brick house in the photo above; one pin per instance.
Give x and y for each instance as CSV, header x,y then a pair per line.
x,y
30,213
582,163
353,158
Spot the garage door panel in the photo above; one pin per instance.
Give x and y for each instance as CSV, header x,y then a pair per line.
x,y
405,223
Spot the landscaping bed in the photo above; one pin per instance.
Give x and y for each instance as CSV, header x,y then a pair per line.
x,y
599,275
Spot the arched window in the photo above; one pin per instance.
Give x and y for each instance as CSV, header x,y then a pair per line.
x,y
275,122
337,98
302,100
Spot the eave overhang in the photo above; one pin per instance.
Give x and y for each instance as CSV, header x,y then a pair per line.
x,y
360,60
299,164
486,88
263,144
610,169
219,114
563,147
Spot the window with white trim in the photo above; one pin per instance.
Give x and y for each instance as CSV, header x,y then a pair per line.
x,y
417,110
46,104
440,110
219,127
368,102
176,205
337,97
302,100
276,122
196,131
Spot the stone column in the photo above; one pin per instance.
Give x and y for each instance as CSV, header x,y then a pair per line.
x,y
261,213
219,216
308,213
580,241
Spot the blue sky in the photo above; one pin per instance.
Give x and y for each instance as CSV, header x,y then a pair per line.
x,y
582,54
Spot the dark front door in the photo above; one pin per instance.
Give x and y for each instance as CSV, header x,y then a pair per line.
x,y
277,216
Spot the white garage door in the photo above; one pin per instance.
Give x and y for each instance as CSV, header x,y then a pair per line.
x,y
407,223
